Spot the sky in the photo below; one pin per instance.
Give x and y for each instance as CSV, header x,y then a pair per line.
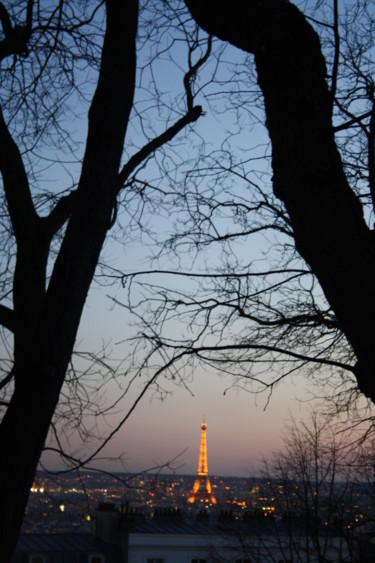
x,y
239,431
241,427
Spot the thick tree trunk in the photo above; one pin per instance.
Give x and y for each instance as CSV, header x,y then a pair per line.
x,y
329,228
22,435
45,334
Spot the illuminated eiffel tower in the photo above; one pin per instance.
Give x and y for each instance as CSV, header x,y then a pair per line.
x,y
202,487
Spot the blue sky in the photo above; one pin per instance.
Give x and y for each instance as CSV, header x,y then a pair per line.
x,y
240,429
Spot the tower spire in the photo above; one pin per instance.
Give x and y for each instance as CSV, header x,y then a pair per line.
x,y
202,490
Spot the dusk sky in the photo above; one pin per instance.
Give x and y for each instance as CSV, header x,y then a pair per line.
x,y
187,217
240,430
242,427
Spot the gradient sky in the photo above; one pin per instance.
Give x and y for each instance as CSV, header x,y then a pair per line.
x,y
239,428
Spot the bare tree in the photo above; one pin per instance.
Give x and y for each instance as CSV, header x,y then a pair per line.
x,y
59,60
318,490
315,495
54,56
280,274
329,228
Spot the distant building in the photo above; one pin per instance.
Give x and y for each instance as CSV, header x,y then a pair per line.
x,y
125,535
66,548
170,538
202,490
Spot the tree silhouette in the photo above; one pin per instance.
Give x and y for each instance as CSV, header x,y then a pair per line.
x,y
315,492
54,58
329,228
272,277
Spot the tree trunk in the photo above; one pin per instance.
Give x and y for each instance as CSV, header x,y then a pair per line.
x,y
42,355
22,435
329,228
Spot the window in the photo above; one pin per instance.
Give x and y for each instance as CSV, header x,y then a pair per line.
x,y
155,560
199,561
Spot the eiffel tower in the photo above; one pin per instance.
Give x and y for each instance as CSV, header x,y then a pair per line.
x,y
202,487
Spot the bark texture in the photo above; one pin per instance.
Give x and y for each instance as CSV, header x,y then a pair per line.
x,y
329,228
